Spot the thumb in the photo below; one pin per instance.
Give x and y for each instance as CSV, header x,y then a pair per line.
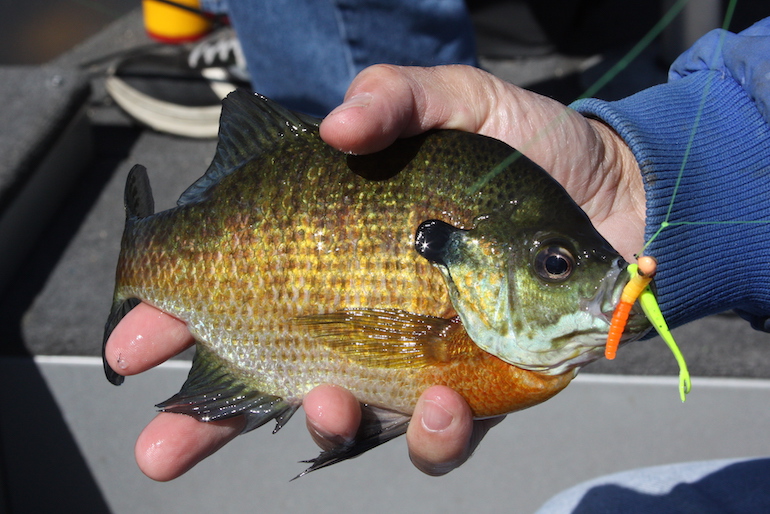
x,y
387,102
442,434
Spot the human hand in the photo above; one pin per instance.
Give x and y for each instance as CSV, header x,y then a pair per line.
x,y
587,157
442,433
382,104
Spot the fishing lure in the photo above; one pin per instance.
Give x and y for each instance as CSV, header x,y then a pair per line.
x,y
641,275
638,288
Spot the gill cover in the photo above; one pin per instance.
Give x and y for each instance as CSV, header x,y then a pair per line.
x,y
532,289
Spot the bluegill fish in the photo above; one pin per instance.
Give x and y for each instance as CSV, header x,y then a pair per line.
x,y
440,260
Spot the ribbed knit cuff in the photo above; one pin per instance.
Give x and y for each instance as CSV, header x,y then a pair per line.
x,y
720,262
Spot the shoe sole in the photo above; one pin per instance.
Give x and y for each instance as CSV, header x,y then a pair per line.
x,y
199,122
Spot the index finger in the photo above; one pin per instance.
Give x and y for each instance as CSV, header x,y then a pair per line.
x,y
144,338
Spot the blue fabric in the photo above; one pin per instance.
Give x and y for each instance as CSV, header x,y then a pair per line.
x,y
305,53
705,268
734,486
745,57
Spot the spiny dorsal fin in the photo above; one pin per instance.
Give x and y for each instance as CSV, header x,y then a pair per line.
x,y
387,338
138,194
250,124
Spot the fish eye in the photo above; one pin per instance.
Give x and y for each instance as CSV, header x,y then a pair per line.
x,y
554,263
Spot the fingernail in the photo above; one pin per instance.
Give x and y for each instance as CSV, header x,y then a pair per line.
x,y
122,364
360,100
435,418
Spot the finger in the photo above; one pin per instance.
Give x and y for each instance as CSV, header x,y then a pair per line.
x,y
171,444
144,338
386,102
332,415
441,431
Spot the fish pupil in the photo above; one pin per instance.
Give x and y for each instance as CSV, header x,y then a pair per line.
x,y
431,239
556,265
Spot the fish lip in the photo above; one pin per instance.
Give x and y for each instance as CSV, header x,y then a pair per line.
x,y
604,302
611,294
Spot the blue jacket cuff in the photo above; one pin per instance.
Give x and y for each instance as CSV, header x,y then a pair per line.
x,y
714,255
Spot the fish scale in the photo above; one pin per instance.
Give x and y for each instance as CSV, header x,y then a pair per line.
x,y
295,265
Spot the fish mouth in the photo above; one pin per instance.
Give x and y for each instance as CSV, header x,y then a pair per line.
x,y
637,324
601,307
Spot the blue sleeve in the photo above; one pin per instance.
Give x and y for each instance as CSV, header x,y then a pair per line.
x,y
715,254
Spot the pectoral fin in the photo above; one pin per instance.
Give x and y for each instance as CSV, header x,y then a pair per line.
x,y
387,338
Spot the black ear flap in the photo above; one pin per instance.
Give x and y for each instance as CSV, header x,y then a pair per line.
x,y
431,240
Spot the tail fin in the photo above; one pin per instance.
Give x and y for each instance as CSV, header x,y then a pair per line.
x,y
138,194
139,204
119,309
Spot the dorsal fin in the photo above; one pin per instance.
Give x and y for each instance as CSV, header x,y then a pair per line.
x,y
250,125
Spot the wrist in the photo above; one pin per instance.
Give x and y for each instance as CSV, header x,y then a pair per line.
x,y
619,213
708,256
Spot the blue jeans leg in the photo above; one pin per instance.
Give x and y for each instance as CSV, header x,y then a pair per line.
x,y
736,486
305,53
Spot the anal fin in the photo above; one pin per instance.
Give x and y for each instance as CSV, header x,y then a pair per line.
x,y
377,426
212,393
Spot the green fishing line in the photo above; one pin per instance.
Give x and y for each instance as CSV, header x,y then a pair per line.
x,y
647,299
637,49
729,11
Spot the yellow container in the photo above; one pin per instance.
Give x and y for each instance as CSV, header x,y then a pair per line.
x,y
171,24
